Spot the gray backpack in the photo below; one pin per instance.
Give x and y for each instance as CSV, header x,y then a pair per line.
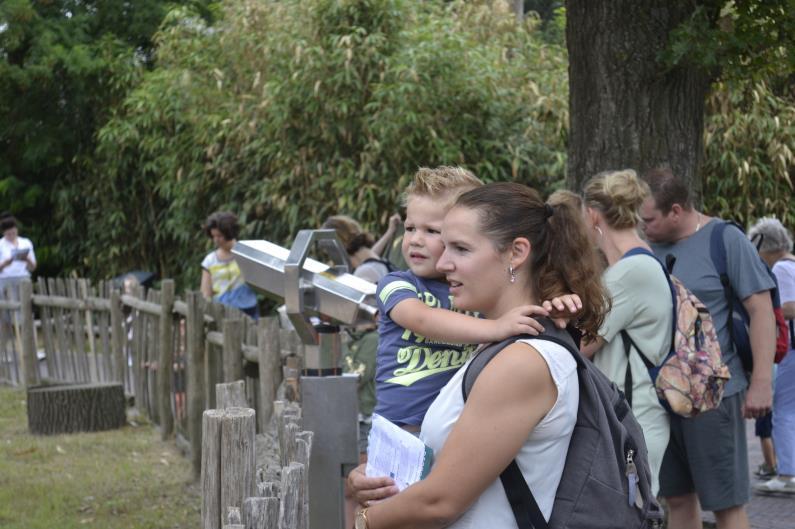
x,y
606,481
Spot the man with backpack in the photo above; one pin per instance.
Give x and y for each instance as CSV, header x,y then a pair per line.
x,y
707,458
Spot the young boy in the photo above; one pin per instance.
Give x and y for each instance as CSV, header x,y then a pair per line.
x,y
421,335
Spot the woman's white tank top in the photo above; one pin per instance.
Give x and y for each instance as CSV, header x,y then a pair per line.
x,y
543,454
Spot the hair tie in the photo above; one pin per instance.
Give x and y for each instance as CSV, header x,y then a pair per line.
x,y
548,210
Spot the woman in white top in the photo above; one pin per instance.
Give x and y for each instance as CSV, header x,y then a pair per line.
x,y
504,247
642,304
774,243
17,259
221,277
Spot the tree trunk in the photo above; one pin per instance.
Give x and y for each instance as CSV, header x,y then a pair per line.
x,y
76,408
627,110
518,10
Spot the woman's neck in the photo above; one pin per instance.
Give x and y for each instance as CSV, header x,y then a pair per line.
x,y
514,295
615,243
772,257
224,252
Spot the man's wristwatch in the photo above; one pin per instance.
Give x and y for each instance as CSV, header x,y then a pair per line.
x,y
361,520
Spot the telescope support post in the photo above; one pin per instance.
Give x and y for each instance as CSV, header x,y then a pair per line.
x,y
330,410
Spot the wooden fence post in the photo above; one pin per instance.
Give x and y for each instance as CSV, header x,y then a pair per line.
x,y
30,362
194,373
233,349
261,513
166,358
270,368
238,456
231,395
292,500
117,337
91,363
211,469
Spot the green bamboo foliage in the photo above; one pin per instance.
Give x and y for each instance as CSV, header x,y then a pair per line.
x,y
749,166
289,111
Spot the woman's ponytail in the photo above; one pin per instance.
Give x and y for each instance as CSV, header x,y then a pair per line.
x,y
572,261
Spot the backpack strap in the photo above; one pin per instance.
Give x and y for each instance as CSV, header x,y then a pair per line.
x,y
627,339
792,333
629,343
389,266
791,323
564,338
717,251
523,504
666,268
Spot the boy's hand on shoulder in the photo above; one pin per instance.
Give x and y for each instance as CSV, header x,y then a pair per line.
x,y
519,320
562,308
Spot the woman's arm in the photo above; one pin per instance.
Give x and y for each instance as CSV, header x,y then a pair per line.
x,y
30,260
381,244
206,285
511,395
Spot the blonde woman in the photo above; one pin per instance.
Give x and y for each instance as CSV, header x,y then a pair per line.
x,y
640,321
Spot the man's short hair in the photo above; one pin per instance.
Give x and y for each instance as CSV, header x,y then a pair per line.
x,y
667,189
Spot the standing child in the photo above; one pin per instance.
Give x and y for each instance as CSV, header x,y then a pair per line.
x,y
422,336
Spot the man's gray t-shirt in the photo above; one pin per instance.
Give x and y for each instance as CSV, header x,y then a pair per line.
x,y
695,269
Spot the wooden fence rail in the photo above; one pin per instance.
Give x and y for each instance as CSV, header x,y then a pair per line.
x,y
165,351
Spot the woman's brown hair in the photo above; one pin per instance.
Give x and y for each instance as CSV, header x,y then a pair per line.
x,y
223,221
350,233
562,259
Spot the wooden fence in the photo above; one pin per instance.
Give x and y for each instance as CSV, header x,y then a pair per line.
x,y
164,349
234,495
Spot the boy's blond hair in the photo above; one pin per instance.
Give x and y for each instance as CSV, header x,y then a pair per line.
x,y
443,183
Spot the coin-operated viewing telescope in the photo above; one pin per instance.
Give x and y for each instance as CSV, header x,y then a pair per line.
x,y
313,290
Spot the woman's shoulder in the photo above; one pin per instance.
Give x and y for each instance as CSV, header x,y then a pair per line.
x,y
372,270
634,270
558,358
785,265
517,368
210,259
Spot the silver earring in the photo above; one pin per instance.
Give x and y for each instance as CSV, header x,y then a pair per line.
x,y
512,274
599,230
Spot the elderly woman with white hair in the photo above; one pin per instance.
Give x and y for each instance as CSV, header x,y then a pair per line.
x,y
774,243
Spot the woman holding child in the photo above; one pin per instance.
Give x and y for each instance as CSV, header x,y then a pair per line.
x,y
504,249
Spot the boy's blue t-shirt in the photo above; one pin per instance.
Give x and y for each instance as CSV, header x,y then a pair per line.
x,y
410,369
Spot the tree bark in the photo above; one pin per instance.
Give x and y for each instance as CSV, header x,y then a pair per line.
x,y
628,110
76,408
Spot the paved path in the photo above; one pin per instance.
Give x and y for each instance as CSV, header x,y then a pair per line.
x,y
765,511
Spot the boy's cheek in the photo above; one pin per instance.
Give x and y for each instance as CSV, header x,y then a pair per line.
x,y
428,272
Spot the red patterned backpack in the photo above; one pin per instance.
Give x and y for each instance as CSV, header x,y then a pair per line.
x,y
691,378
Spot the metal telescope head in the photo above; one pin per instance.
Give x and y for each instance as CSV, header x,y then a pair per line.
x,y
307,286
